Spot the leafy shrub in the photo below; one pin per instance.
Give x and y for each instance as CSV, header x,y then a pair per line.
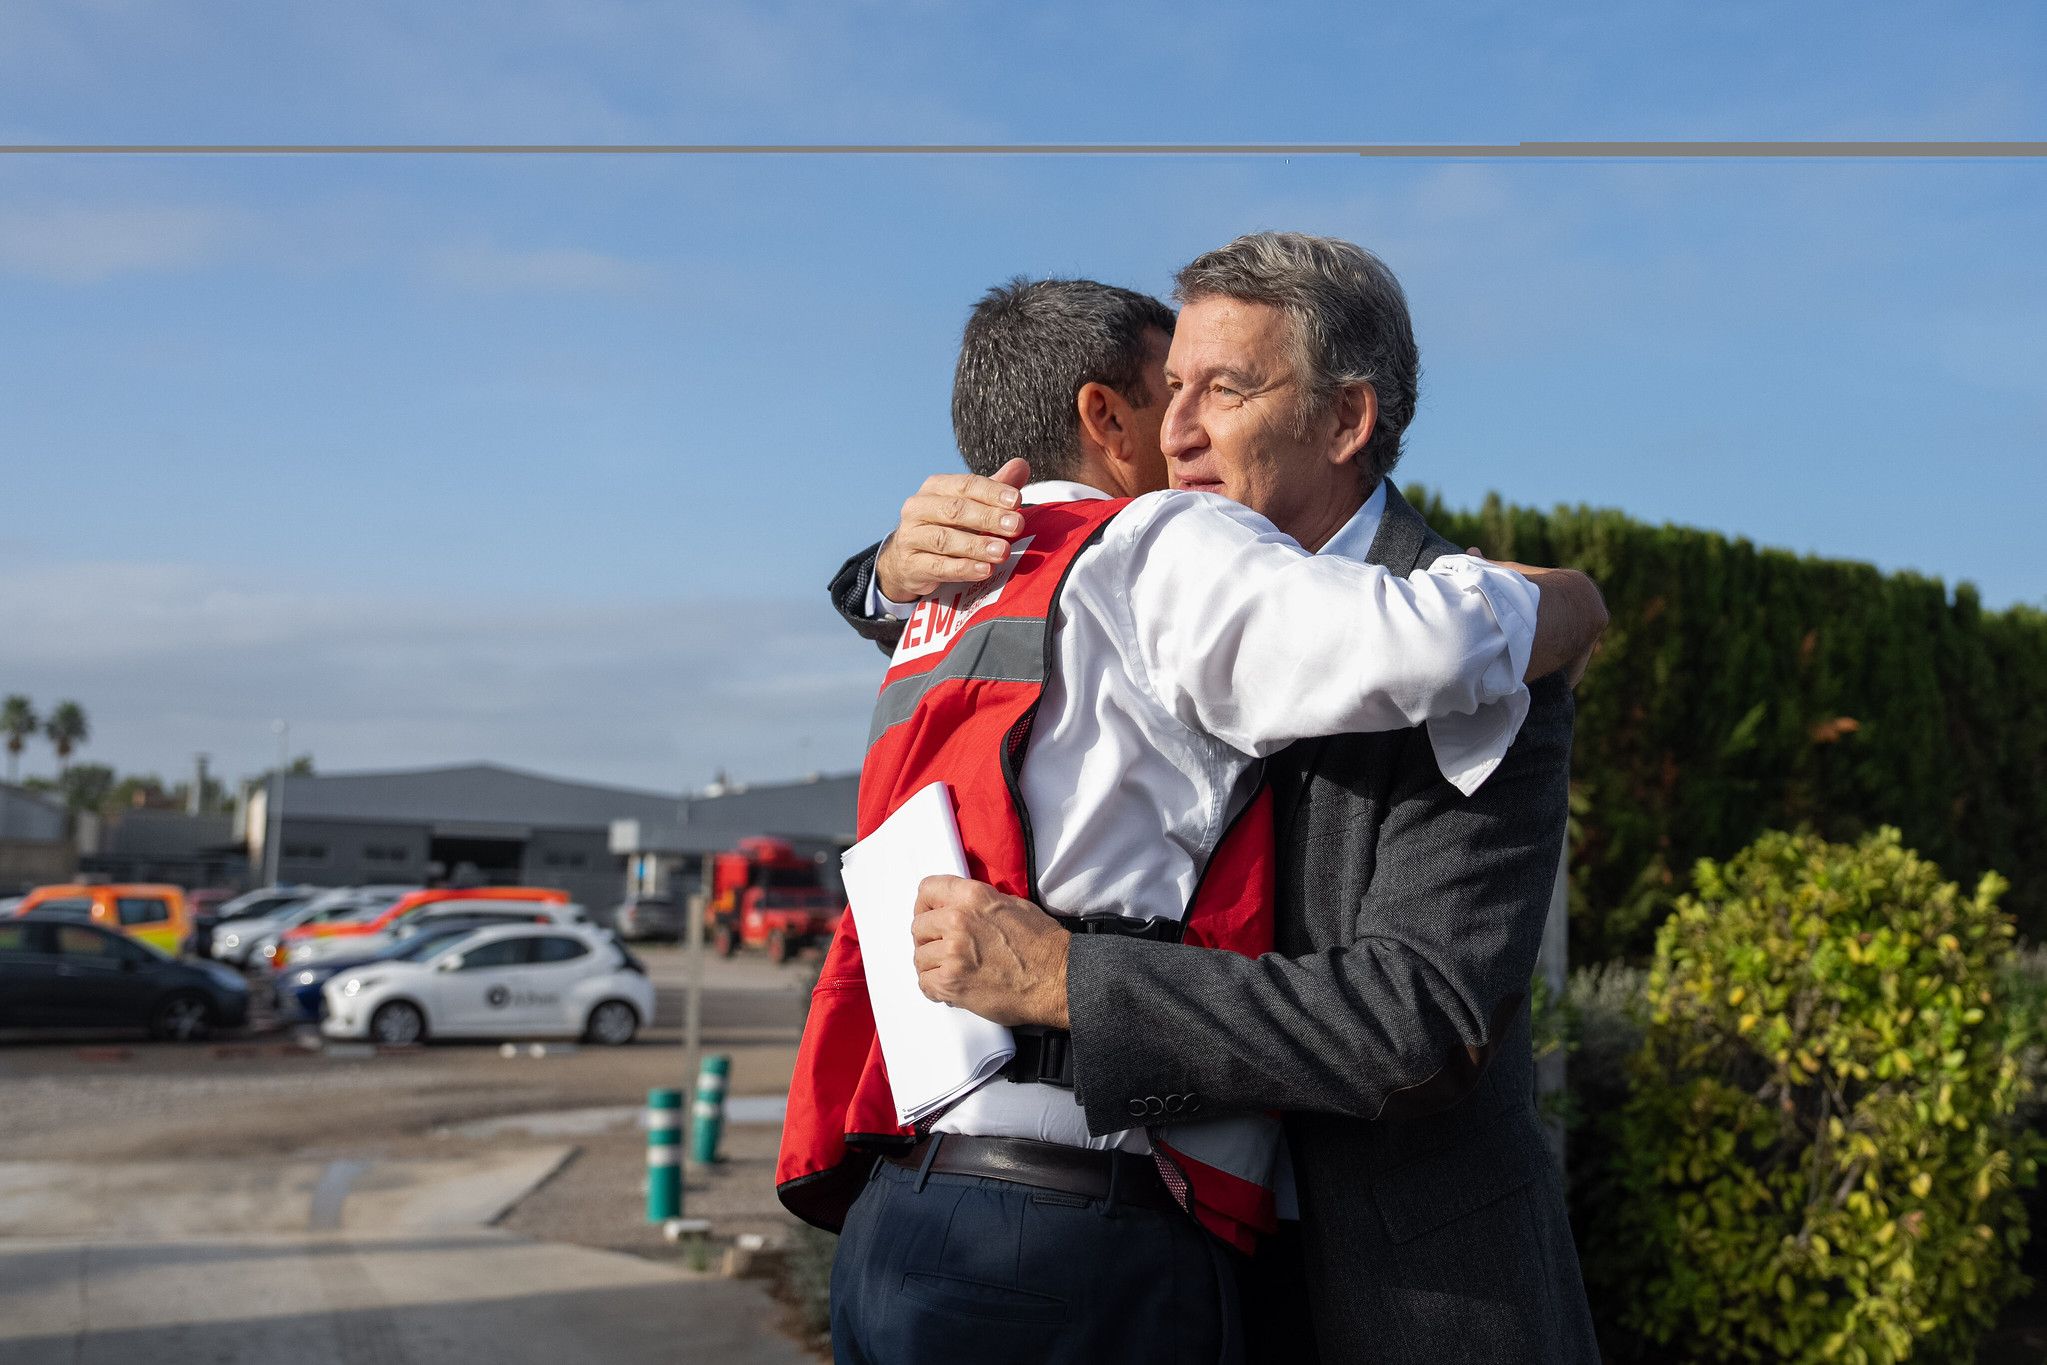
x,y
1820,1156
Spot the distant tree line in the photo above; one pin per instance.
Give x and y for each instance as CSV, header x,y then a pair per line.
x,y
1741,689
97,787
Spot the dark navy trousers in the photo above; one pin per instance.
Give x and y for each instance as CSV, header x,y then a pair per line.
x,y
968,1271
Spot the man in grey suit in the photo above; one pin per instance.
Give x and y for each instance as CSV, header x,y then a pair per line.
x,y
1391,1025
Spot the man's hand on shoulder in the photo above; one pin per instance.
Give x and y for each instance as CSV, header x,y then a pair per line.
x,y
993,955
954,529
1571,619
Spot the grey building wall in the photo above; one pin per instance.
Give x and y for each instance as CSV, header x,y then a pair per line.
x,y
388,827
35,847
580,862
35,862
352,852
191,851
165,834
26,816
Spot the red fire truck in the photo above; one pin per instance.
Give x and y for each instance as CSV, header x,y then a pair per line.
x,y
764,894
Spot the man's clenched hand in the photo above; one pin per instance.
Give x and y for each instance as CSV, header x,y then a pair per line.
x,y
994,955
955,529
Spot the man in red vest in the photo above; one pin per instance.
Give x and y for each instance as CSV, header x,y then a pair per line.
x,y
1102,728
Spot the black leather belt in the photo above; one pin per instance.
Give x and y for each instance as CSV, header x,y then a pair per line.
x,y
1119,1177
1044,1056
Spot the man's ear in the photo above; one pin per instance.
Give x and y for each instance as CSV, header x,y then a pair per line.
x,y
1104,417
1354,414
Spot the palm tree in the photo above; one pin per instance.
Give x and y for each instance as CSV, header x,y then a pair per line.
x,y
19,722
67,729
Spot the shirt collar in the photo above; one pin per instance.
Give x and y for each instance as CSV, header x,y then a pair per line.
x,y
1059,490
1354,539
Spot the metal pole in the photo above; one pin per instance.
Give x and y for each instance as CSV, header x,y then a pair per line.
x,y
275,860
693,1006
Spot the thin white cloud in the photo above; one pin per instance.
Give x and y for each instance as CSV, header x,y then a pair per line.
x,y
85,244
170,660
487,269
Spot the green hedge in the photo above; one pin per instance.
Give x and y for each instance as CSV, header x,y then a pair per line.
x,y
1742,689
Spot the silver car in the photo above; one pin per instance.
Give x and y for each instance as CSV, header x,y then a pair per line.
x,y
251,943
313,950
231,922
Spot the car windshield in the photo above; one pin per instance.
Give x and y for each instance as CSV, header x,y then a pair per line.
x,y
61,909
261,909
428,945
322,905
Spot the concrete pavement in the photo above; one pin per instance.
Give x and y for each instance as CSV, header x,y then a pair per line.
x,y
458,1298
208,1196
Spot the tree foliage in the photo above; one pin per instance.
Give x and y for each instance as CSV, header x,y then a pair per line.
x,y
1741,689
66,728
19,723
82,786
1820,1156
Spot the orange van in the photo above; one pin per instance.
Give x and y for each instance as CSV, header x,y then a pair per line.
x,y
153,913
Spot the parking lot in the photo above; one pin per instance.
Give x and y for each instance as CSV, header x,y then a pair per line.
x,y
209,1200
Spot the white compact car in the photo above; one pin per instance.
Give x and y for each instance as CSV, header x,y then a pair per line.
x,y
510,981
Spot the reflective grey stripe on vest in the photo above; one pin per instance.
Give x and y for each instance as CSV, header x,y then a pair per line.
x,y
1007,649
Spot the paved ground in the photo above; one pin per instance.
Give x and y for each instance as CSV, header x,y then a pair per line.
x,y
256,1201
473,1298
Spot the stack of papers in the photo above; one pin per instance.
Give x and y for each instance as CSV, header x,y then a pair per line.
x,y
935,1053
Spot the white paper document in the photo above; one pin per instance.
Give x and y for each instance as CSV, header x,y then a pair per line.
x,y
934,1052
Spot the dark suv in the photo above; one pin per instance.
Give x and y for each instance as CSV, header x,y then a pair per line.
x,y
56,973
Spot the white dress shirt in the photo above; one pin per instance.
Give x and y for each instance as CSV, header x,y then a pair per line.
x,y
1193,640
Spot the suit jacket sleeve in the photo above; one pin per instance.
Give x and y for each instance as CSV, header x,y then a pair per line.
x,y
1397,1022
849,599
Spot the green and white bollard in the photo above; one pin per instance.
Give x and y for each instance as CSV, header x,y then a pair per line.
x,y
710,1109
664,1155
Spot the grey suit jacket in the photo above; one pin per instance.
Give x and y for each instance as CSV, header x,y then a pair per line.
x,y
1390,1025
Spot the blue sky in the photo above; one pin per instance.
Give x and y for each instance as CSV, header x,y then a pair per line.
x,y
545,460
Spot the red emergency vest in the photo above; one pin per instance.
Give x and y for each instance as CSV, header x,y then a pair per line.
x,y
956,706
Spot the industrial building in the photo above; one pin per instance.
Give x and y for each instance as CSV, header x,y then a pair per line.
x,y
491,824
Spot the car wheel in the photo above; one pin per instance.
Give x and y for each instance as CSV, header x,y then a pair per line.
x,y
613,1023
778,948
179,1018
725,942
397,1023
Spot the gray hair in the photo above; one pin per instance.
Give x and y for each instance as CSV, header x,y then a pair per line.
x,y
1028,349
1350,323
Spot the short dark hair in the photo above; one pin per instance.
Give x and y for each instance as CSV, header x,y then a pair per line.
x,y
1028,349
1351,324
